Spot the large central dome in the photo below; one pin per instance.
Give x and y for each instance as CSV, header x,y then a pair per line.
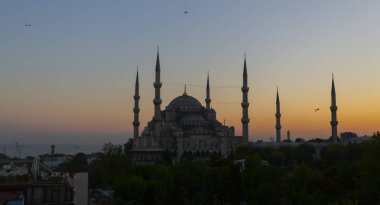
x,y
185,100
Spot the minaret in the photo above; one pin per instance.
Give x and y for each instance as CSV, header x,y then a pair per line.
x,y
208,100
157,99
278,119
333,108
288,135
245,104
136,109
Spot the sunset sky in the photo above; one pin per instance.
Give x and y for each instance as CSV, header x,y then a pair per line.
x,y
69,78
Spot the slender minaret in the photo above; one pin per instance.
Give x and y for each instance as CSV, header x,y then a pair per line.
x,y
136,109
288,135
157,99
245,104
208,100
278,119
333,108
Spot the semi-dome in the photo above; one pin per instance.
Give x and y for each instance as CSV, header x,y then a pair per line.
x,y
184,100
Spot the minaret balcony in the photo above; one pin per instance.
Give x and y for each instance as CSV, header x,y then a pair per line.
x,y
244,120
136,124
244,104
244,89
136,97
157,101
157,84
136,110
333,108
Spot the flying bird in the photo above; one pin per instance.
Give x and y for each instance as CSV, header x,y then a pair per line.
x,y
316,110
28,24
186,12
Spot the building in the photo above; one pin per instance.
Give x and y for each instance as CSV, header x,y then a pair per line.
x,y
353,138
53,161
185,127
346,136
40,186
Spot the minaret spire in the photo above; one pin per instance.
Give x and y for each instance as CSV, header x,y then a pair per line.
x,y
136,109
333,108
158,68
184,91
278,119
208,100
245,75
332,86
157,97
245,103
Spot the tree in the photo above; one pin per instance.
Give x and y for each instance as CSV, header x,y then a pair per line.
x,y
77,164
276,158
130,189
244,151
335,154
128,145
304,153
111,163
355,152
262,185
370,167
4,156
288,153
254,161
376,134
308,186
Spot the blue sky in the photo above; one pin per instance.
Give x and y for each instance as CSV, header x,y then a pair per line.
x,y
70,76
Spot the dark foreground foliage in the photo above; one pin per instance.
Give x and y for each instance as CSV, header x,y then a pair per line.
x,y
334,175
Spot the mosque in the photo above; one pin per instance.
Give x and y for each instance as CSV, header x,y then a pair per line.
x,y
185,128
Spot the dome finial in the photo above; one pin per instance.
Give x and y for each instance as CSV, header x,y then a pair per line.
x,y
184,93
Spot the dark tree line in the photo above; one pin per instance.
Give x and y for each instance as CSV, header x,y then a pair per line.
x,y
336,175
